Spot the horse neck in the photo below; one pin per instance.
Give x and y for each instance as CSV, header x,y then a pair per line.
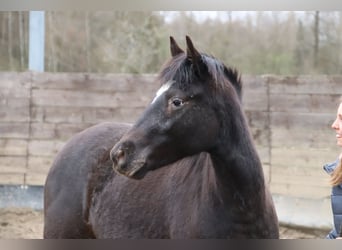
x,y
235,160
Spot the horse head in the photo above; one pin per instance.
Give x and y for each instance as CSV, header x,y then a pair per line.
x,y
185,116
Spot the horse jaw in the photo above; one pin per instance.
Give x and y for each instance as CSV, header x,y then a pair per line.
x,y
137,172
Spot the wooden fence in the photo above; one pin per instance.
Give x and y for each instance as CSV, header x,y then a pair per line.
x,y
289,117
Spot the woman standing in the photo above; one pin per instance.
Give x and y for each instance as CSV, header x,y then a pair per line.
x,y
335,171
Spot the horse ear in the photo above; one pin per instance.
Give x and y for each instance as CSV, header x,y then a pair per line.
x,y
175,49
194,56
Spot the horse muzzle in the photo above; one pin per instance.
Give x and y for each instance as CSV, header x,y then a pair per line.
x,y
126,163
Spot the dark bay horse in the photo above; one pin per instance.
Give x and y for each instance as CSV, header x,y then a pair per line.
x,y
187,168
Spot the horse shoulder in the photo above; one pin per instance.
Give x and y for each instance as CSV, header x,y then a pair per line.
x,y
73,175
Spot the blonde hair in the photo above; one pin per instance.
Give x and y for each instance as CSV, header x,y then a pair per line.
x,y
336,176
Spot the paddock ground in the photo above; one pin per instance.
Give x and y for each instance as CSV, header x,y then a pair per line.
x,y
25,223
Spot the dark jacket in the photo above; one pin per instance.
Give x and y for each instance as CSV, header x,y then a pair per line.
x,y
336,202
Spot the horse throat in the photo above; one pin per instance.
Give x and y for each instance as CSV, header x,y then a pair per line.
x,y
235,160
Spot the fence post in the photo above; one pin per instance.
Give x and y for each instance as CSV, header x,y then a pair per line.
x,y
36,41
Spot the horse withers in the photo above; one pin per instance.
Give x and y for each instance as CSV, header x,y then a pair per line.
x,y
187,168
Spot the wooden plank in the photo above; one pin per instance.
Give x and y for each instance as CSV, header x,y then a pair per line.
x,y
35,179
300,191
304,173
302,161
14,111
290,103
305,84
260,136
257,119
39,164
122,114
253,84
95,82
88,115
41,130
302,137
83,98
254,93
303,103
14,130
8,113
13,164
263,153
266,169
317,181
65,131
14,89
302,129
46,148
11,179
16,102
309,121
55,114
258,124
20,81
324,103
60,131
253,102
13,147
66,98
128,115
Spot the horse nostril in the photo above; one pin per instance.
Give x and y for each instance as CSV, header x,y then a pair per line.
x,y
120,154
119,157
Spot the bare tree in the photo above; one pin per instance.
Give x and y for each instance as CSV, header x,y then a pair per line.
x,y
339,47
10,40
136,42
316,38
21,40
87,38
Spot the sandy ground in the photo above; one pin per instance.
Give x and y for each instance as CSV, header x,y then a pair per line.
x,y
21,223
28,224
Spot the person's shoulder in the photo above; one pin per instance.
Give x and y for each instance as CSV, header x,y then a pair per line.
x,y
330,167
331,235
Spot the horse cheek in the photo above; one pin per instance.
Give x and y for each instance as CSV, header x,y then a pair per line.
x,y
208,128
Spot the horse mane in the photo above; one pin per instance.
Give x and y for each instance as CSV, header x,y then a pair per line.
x,y
180,69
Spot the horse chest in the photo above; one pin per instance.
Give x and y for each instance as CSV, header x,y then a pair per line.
x,y
128,212
195,218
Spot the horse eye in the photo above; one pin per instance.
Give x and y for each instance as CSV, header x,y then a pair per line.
x,y
177,102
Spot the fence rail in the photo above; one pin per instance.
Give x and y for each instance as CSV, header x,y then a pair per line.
x,y
289,117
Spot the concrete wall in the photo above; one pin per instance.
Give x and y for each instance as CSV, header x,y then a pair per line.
x,y
289,116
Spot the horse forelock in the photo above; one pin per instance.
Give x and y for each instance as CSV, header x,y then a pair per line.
x,y
180,70
177,70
